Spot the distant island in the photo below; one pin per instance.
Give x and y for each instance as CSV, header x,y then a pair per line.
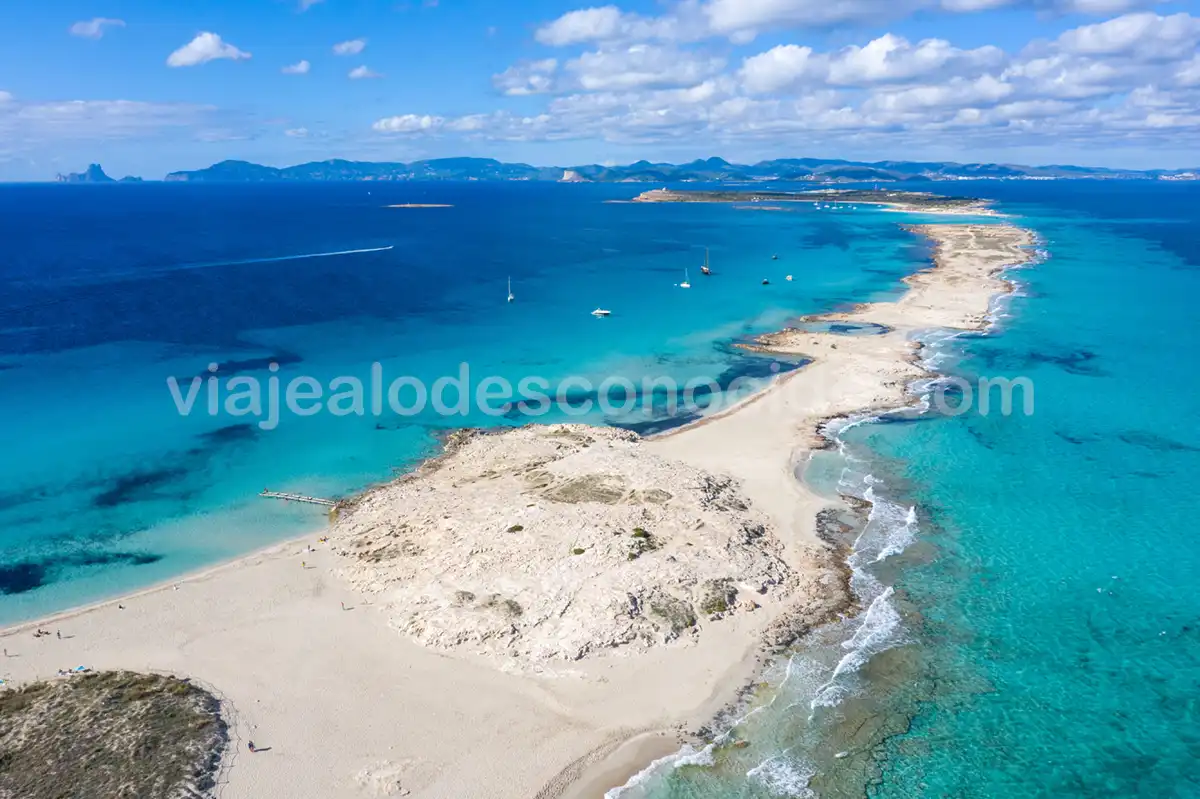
x,y
711,170
93,174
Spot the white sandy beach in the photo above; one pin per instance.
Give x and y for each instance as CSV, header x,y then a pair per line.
x,y
367,671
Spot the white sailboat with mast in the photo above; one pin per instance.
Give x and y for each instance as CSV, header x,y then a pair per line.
x,y
510,294
704,270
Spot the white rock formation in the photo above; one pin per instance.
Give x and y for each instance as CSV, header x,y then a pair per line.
x,y
557,543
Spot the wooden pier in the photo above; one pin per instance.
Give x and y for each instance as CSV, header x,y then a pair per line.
x,y
329,503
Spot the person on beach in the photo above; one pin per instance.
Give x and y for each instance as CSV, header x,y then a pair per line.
x,y
59,634
250,746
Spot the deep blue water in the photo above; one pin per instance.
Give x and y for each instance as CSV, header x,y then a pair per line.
x,y
106,291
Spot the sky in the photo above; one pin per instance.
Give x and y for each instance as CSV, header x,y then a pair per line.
x,y
145,87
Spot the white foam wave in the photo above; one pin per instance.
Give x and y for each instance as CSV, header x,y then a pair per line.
x,y
783,777
881,630
637,785
889,530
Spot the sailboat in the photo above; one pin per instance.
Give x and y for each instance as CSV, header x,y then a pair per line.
x,y
685,284
704,270
601,312
510,294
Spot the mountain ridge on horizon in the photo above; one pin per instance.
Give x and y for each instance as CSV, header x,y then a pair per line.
x,y
714,169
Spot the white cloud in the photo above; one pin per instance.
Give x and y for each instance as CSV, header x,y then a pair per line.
x,y
352,47
1188,73
528,77
204,48
892,58
299,68
362,73
781,67
1067,77
305,5
409,123
1108,58
1144,34
642,66
887,59
955,93
609,23
94,28
584,25
5,97
296,133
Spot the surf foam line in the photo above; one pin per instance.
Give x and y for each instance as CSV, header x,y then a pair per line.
x,y
890,528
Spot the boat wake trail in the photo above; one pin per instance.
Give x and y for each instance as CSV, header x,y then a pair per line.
x,y
144,272
277,258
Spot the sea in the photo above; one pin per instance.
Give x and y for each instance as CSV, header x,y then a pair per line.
x,y
1027,623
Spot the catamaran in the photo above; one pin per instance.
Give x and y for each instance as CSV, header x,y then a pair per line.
x,y
510,294
704,270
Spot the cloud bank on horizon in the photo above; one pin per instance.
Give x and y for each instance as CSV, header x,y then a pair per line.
x,y
893,78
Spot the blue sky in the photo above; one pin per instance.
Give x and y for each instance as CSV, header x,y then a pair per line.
x,y
148,87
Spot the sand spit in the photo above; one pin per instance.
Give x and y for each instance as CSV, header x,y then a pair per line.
x,y
766,440
495,625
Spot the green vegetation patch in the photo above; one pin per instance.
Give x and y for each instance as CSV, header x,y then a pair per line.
x,y
719,597
110,735
677,614
642,543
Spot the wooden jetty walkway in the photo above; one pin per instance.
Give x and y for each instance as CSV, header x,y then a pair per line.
x,y
329,503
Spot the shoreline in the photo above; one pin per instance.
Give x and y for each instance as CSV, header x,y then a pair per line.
x,y
809,431
847,374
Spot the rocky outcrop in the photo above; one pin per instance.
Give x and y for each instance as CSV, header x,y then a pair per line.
x,y
559,543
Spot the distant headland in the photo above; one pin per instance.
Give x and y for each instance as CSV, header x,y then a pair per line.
x,y
711,170
900,200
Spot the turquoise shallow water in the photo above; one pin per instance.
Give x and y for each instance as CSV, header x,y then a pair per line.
x,y
106,291
1032,623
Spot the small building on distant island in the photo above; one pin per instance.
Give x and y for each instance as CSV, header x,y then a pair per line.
x,y
94,174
